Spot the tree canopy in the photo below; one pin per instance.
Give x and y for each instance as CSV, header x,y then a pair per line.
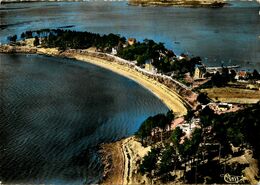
x,y
159,120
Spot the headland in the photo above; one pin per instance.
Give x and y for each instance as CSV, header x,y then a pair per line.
x,y
203,140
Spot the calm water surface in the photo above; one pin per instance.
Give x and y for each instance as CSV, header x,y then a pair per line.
x,y
54,113
229,35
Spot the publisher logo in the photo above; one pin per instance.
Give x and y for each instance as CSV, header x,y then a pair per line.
x,y
232,179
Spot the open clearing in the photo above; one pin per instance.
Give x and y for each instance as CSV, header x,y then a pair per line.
x,y
233,95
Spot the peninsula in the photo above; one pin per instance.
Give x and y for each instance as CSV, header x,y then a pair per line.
x,y
205,137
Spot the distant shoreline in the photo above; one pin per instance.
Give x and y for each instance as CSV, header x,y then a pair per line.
x,y
35,1
168,96
179,3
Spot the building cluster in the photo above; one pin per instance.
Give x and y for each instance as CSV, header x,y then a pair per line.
x,y
221,108
247,78
130,42
187,127
201,73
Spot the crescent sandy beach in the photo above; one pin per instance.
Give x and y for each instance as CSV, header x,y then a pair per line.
x,y
171,99
129,92
118,158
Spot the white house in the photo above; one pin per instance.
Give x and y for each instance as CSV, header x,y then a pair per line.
x,y
114,51
148,66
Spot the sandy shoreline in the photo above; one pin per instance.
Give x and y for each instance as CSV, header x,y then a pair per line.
x,y
168,96
119,158
112,156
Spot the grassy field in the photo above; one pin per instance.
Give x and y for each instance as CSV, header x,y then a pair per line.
x,y
233,95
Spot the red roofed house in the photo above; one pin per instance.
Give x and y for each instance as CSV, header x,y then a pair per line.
x,y
131,41
177,122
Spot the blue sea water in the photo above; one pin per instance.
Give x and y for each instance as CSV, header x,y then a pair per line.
x,y
55,113
228,35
